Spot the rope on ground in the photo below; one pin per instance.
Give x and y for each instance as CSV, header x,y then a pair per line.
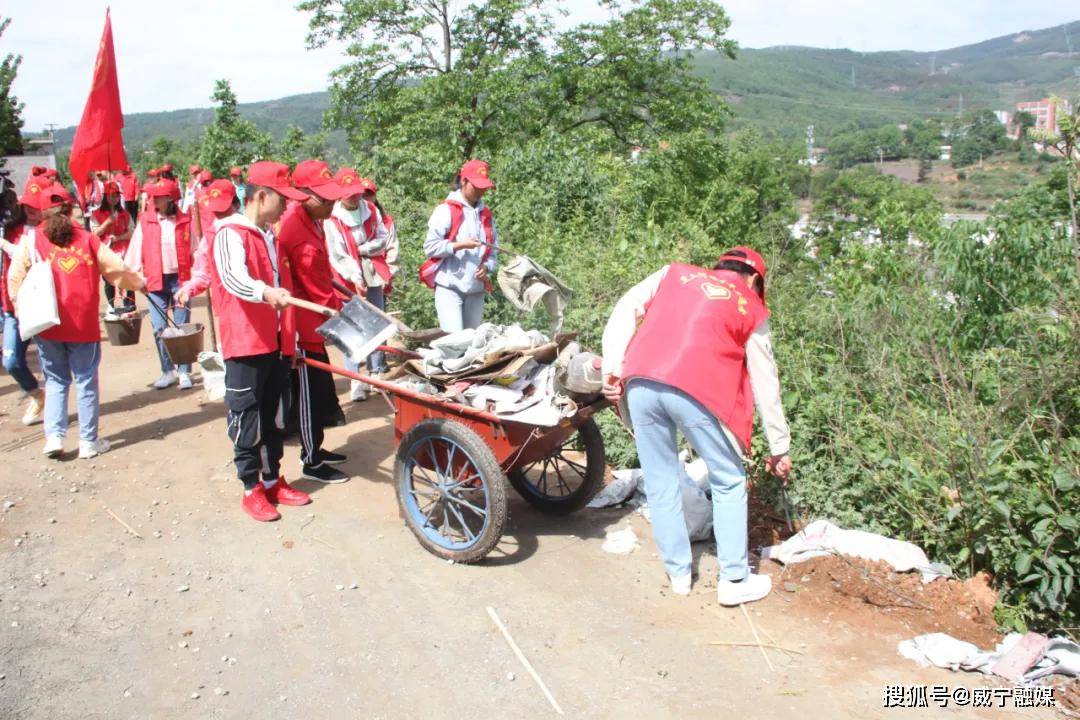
x,y
758,639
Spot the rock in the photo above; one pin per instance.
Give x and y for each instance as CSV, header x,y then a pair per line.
x,y
74,489
127,693
510,676
220,692
52,521
339,587
18,542
182,643
14,623
790,587
224,658
8,504
282,698
354,586
182,589
194,696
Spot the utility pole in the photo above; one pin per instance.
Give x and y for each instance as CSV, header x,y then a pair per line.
x,y
51,127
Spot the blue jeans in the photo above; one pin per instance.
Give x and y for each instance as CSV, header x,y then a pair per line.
x,y
15,355
458,311
162,300
59,362
657,412
376,361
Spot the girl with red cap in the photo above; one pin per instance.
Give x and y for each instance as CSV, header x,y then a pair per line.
x,y
162,248
19,230
112,225
356,240
691,349
460,245
72,349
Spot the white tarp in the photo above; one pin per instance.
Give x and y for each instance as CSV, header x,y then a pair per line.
x,y
821,538
1061,657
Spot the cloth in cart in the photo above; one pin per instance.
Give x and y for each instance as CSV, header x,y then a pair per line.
x,y
526,283
468,349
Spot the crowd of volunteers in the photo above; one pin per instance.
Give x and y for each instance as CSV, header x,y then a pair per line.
x,y
687,350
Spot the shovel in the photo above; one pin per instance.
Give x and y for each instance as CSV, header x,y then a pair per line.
x,y
358,329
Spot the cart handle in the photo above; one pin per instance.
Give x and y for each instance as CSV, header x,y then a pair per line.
x,y
394,389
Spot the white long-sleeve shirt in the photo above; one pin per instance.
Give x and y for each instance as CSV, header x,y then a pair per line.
x,y
760,363
231,259
458,269
133,258
336,246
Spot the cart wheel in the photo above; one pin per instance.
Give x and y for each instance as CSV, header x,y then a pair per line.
x,y
451,490
561,484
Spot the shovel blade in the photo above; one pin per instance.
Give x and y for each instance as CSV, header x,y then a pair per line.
x,y
358,329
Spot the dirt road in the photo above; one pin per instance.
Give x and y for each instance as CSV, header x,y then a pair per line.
x,y
336,612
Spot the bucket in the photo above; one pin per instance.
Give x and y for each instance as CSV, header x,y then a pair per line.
x,y
123,331
184,342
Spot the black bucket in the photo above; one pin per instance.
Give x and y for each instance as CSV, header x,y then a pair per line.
x,y
123,331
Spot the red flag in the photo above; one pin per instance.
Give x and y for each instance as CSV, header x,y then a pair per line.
x,y
98,143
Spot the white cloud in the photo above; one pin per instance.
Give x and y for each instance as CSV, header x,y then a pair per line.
x,y
169,55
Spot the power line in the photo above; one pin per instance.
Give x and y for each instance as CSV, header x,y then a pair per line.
x,y
867,108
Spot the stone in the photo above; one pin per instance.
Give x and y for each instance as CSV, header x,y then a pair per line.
x,y
182,589
510,676
220,692
194,696
790,587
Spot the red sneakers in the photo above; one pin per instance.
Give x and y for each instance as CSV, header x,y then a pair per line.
x,y
284,494
257,506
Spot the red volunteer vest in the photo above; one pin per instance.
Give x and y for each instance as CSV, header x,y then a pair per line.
x,y
129,186
371,227
304,244
119,226
151,248
252,328
457,217
77,279
694,338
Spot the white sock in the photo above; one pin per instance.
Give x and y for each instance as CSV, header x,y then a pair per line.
x,y
269,483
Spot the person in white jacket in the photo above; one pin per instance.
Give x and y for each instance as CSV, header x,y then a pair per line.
x,y
461,248
356,241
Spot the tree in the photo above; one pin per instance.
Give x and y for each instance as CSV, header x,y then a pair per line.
x,y
298,145
11,121
1067,141
1023,121
446,88
230,139
981,136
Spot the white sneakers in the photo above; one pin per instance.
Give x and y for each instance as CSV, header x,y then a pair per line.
x,y
185,381
166,380
54,446
358,391
680,585
35,409
92,448
754,587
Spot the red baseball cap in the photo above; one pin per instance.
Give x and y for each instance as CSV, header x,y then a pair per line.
x,y
350,181
154,172
315,176
275,176
369,185
236,172
752,259
477,172
167,167
43,195
205,176
192,169
162,188
111,187
218,196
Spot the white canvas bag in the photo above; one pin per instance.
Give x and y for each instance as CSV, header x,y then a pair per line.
x,y
37,299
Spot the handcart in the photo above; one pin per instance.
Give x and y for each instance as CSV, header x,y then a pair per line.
x,y
453,460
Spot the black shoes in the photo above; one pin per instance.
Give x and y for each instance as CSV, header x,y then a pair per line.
x,y
332,458
324,473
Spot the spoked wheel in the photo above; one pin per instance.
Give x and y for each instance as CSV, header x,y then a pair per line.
x,y
568,479
451,490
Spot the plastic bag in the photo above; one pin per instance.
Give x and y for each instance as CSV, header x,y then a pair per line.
x,y
37,300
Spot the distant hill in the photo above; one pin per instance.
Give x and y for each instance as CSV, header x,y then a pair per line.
x,y
782,89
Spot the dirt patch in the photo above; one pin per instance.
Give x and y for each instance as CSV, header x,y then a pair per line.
x,y
870,595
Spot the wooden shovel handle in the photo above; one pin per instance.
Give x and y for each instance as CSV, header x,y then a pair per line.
x,y
313,307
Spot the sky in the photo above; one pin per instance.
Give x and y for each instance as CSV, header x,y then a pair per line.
x,y
168,55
